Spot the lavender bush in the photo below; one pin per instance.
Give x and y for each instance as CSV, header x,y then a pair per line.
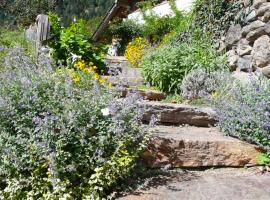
x,y
244,111
61,140
200,83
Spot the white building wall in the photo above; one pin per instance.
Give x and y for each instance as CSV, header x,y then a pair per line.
x,y
161,10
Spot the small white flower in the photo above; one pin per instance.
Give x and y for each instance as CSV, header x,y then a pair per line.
x,y
75,57
105,111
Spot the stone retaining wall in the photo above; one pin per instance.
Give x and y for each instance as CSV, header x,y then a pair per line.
x,y
249,44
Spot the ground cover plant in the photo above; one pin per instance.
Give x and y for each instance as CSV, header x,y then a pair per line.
x,y
243,111
60,138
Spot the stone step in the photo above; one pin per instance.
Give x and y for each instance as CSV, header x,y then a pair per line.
x,y
212,184
198,147
147,95
177,114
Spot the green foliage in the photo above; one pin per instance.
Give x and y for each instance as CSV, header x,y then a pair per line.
x,y
166,66
125,30
12,38
73,43
263,159
215,16
60,139
156,27
24,12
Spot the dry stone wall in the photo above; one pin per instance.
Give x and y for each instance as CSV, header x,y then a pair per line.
x,y
249,44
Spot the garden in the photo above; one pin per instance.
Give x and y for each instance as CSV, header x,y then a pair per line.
x,y
67,132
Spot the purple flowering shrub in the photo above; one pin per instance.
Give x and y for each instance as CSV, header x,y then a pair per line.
x,y
244,112
60,139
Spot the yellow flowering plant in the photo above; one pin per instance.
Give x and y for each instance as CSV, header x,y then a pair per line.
x,y
87,68
135,50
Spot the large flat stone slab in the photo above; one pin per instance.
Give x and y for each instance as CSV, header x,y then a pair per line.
x,y
168,113
198,147
147,95
219,184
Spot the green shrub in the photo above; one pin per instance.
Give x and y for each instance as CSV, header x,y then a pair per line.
x,y
125,30
216,16
166,66
243,111
73,42
60,139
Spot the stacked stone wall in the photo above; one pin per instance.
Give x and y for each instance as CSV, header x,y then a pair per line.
x,y
248,45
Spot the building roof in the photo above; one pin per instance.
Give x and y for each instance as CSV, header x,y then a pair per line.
x,y
120,8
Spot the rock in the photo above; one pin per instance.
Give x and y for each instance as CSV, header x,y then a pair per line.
x,y
198,147
266,71
168,113
244,49
232,59
264,7
261,51
245,3
244,78
251,27
251,16
258,3
253,35
147,95
245,63
233,35
266,17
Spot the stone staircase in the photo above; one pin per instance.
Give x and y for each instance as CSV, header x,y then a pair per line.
x,y
185,137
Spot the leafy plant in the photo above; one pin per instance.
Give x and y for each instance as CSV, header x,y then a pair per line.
x,y
166,67
126,30
200,83
135,51
243,111
215,16
60,139
72,43
263,159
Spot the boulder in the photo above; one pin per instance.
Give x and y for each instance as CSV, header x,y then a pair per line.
x,y
245,63
261,51
252,26
266,17
233,35
198,147
177,114
232,59
266,71
255,34
252,16
243,49
258,3
264,7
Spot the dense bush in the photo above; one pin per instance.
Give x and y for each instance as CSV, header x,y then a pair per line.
x,y
243,111
166,67
60,139
135,51
215,16
71,43
200,83
126,30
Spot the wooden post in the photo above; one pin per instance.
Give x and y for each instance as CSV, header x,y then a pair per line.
x,y
43,31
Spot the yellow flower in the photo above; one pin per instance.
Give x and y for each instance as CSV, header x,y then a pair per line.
x,y
215,94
